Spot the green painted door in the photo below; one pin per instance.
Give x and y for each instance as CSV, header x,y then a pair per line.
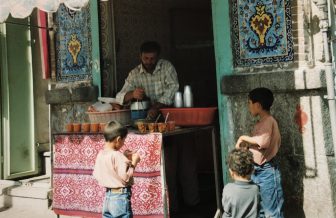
x,y
95,52
17,104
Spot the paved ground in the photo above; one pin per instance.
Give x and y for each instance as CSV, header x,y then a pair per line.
x,y
202,211
28,213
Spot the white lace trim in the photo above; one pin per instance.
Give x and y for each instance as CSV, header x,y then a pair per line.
x,y
23,8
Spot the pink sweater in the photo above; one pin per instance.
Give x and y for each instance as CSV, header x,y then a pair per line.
x,y
112,169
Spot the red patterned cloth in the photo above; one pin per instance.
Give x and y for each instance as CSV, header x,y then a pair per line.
x,y
77,193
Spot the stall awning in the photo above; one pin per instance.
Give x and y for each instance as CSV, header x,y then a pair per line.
x,y
23,8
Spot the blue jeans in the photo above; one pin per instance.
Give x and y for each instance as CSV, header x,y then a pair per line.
x,y
268,178
118,205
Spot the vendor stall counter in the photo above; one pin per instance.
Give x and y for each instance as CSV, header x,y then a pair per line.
x,y
76,192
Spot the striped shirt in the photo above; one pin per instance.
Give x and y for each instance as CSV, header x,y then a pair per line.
x,y
160,86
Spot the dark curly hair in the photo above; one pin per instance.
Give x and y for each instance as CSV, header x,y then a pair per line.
x,y
240,161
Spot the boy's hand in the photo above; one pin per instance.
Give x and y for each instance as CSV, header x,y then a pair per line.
x,y
128,154
135,159
239,141
244,146
246,142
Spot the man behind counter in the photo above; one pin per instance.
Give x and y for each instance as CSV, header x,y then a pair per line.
x,y
157,79
154,78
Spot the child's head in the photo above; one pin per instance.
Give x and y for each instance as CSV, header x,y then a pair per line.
x,y
113,130
240,162
263,96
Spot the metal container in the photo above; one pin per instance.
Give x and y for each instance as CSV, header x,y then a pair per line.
x,y
138,114
140,105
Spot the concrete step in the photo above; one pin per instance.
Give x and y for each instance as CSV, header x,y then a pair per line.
x,y
29,198
33,192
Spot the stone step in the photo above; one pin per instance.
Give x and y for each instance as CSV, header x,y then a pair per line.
x,y
27,193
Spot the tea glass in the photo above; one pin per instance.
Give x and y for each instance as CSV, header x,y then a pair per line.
x,y
102,127
142,127
69,127
85,127
94,127
171,125
152,127
162,127
76,127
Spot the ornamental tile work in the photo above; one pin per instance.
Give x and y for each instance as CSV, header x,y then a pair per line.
x,y
73,44
262,32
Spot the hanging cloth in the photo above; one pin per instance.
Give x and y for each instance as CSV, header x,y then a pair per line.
x,y
23,8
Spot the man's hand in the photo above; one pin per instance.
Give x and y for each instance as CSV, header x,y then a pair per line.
x,y
152,113
138,93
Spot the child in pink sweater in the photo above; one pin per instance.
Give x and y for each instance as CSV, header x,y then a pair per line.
x,y
114,170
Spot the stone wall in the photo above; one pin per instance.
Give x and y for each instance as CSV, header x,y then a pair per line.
x,y
69,104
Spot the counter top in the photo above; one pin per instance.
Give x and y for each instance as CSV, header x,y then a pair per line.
x,y
177,131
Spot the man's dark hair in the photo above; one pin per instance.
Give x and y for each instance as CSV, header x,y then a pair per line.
x,y
149,47
240,161
262,95
113,129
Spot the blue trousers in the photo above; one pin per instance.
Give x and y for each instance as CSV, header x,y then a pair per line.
x,y
118,205
268,178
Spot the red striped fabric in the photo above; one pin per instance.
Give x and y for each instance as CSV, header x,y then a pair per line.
x,y
43,35
77,193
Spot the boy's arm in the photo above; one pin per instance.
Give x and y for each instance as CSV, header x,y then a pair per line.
x,y
244,138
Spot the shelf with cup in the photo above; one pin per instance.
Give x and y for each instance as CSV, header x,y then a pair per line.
x,y
84,127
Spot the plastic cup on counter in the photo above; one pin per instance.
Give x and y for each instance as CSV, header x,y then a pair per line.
x,y
76,127
69,127
94,127
178,100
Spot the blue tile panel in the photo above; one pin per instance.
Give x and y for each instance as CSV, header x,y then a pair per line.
x,y
262,32
73,44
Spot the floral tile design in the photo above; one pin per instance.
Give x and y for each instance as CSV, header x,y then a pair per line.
x,y
73,44
262,32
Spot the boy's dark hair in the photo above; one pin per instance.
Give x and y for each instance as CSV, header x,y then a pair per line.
x,y
262,95
240,161
113,129
150,46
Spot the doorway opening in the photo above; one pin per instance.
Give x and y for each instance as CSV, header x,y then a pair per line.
x,y
184,31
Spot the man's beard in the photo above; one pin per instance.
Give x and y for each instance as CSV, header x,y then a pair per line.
x,y
149,67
